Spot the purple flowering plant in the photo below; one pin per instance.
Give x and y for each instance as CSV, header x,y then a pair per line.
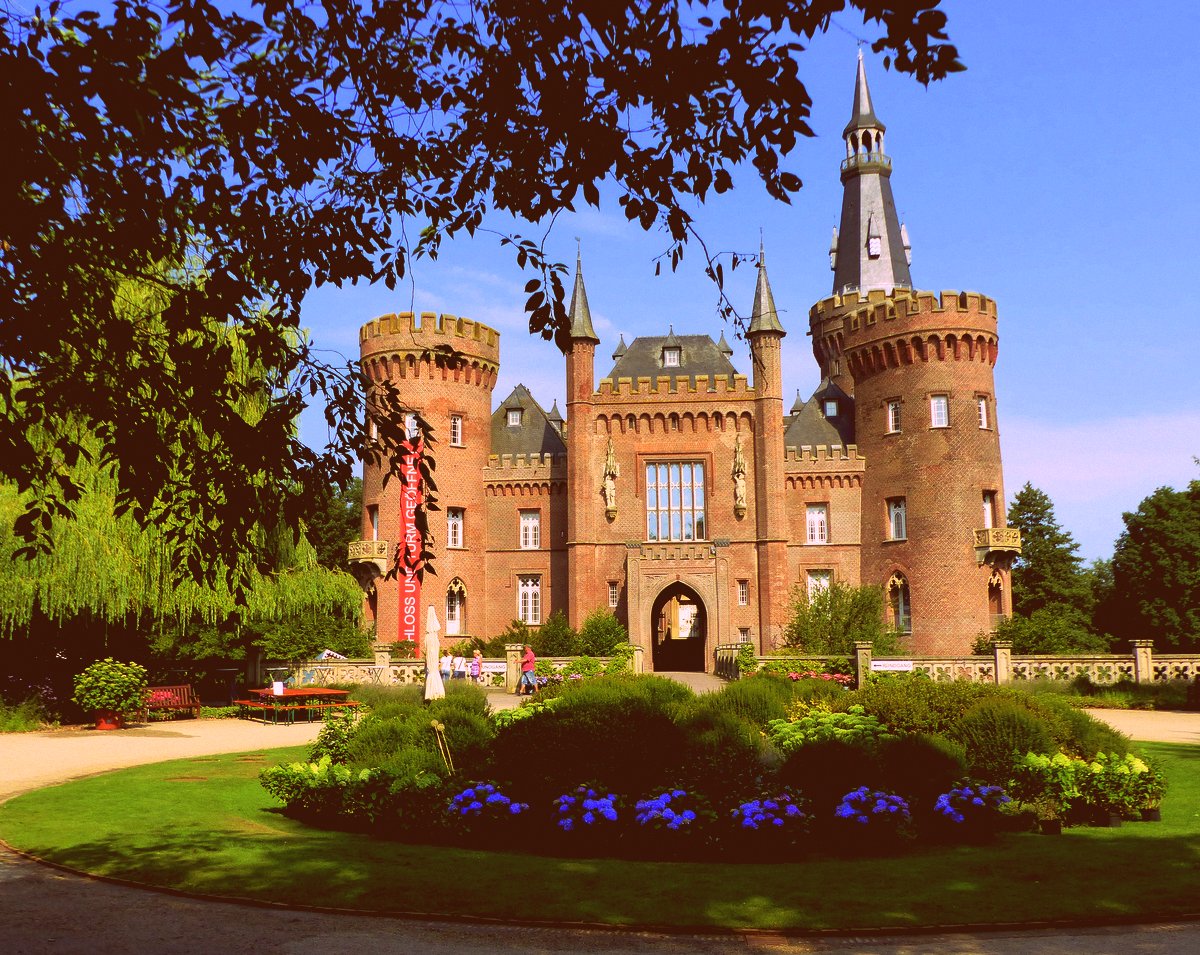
x,y
484,801
780,813
674,810
970,802
864,804
584,808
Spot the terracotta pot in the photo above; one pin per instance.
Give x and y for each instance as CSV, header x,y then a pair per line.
x,y
108,720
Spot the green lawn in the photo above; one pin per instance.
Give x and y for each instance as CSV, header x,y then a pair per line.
x,y
206,826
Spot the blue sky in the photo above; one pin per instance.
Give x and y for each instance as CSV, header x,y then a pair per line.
x,y
1056,175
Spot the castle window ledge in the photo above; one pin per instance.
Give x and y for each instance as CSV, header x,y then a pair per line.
x,y
369,552
997,546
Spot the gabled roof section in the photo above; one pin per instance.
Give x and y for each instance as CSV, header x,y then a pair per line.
x,y
809,426
536,434
698,355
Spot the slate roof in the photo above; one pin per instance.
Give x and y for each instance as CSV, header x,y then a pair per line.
x,y
698,355
809,426
536,433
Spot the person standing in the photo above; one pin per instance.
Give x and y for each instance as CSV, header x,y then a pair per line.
x,y
528,684
460,667
445,664
477,667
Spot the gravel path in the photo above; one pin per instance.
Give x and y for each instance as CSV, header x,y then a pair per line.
x,y
47,912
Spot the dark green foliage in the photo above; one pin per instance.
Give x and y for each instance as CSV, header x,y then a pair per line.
x,y
1156,570
921,767
334,738
1077,733
830,621
1052,629
1049,571
754,700
997,731
913,704
302,638
332,521
723,755
600,632
555,638
621,732
823,692
827,770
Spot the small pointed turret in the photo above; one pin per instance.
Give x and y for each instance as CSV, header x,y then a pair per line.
x,y
620,350
723,346
870,248
763,318
580,314
798,404
555,416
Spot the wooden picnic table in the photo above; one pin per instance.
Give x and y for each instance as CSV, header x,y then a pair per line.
x,y
309,700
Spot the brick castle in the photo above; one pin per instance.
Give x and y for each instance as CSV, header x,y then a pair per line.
x,y
679,494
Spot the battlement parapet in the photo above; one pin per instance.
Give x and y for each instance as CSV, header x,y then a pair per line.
x,y
433,329
837,454
526,462
904,310
668,386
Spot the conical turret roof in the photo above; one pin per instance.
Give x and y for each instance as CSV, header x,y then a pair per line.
x,y
580,314
763,318
862,114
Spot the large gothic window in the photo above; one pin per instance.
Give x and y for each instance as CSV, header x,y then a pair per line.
x,y
899,606
675,501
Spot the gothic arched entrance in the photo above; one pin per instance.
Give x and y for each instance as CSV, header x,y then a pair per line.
x,y
679,629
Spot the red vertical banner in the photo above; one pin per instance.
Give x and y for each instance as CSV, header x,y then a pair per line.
x,y
410,545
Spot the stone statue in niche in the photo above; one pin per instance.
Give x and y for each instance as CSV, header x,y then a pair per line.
x,y
739,479
608,489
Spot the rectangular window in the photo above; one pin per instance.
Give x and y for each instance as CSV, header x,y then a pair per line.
x,y
373,517
897,519
818,524
670,357
456,437
529,599
830,409
454,527
743,593
614,593
893,417
818,580
939,411
744,634
675,501
531,530
989,508
983,413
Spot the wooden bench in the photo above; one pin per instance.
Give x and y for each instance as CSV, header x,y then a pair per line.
x,y
171,699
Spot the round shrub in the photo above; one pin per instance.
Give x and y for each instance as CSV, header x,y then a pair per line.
x,y
724,756
825,771
912,703
756,699
995,733
921,767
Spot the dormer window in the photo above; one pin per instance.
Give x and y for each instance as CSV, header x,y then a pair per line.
x,y
670,357
831,409
514,417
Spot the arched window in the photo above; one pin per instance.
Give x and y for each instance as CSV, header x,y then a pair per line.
x,y
995,599
899,605
456,608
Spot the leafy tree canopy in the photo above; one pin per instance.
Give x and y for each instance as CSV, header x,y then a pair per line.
x,y
1049,570
830,621
291,145
1156,569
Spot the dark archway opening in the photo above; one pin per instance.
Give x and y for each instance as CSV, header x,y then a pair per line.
x,y
680,627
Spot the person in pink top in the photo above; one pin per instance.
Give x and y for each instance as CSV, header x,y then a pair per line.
x,y
528,684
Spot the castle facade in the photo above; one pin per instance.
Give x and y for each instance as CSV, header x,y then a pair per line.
x,y
680,495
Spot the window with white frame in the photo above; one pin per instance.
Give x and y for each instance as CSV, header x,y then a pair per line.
x,y
514,417
529,599
818,580
454,526
675,501
373,517
670,357
983,412
989,508
893,416
897,519
614,593
817,519
531,530
939,411
456,431
744,634
743,593
831,409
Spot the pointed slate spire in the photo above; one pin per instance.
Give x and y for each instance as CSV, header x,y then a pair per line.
x,y
798,405
723,346
671,341
580,314
620,350
862,114
555,417
763,318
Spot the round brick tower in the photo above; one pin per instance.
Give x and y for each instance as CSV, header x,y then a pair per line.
x,y
444,368
920,369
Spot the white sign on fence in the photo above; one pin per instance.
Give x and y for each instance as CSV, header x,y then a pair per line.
x,y
892,666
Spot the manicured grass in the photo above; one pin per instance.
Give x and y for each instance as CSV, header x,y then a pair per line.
x,y
206,826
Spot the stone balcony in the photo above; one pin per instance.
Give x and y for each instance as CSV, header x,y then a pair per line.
x,y
997,546
375,552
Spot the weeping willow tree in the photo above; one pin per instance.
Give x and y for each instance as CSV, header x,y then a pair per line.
x,y
110,569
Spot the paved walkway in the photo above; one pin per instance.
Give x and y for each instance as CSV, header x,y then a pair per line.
x,y
47,912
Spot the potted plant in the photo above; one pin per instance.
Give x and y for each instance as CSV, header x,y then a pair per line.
x,y
111,690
